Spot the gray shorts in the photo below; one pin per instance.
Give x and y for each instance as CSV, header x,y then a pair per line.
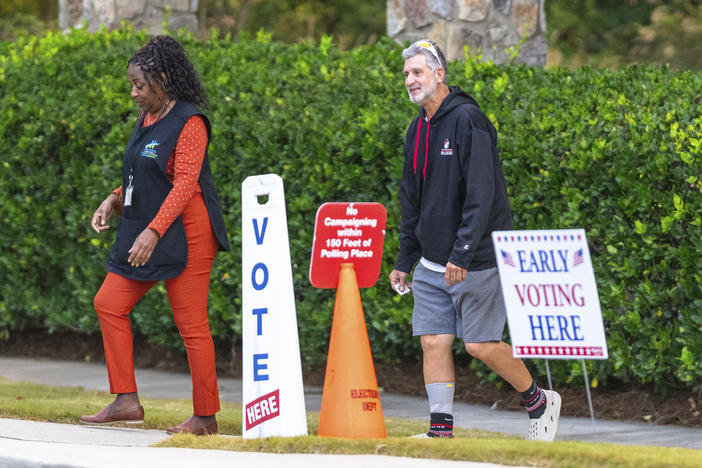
x,y
474,309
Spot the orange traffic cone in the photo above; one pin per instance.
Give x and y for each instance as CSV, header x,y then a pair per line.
x,y
350,401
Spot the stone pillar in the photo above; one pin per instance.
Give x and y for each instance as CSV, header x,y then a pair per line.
x,y
487,26
146,14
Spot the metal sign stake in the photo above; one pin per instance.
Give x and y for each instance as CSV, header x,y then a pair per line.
x,y
548,375
587,389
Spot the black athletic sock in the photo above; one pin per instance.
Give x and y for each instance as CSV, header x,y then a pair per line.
x,y
441,425
534,400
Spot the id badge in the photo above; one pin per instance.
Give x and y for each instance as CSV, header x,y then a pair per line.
x,y
128,196
128,191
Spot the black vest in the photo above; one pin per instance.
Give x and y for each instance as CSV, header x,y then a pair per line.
x,y
145,159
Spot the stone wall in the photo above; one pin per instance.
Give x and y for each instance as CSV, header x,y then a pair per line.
x,y
488,26
146,14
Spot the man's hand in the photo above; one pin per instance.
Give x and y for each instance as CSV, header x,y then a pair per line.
x,y
143,247
454,274
398,279
104,212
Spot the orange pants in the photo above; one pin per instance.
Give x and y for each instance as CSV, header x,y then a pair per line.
x,y
187,294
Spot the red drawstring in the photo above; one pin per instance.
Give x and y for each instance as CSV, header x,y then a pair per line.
x,y
416,145
426,151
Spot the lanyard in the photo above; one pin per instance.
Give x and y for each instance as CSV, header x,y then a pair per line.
x,y
130,187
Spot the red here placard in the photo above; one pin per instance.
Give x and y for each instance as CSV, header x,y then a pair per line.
x,y
347,233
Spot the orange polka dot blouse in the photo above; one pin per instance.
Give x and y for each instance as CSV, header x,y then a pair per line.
x,y
182,170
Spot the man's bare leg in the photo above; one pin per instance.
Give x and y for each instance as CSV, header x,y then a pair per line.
x,y
439,378
498,357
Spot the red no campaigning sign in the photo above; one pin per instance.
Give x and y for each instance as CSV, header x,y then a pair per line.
x,y
347,233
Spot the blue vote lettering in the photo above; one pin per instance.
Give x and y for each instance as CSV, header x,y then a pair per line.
x,y
259,366
262,233
555,328
543,261
259,322
262,284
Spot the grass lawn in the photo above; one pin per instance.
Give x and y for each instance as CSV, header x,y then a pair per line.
x,y
67,404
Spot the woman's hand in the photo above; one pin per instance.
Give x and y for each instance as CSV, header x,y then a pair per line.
x,y
104,212
143,247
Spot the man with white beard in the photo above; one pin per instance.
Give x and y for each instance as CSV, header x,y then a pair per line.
x,y
453,195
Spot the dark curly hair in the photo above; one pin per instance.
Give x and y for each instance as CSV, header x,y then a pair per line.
x,y
163,55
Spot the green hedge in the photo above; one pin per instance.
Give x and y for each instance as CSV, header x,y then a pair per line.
x,y
617,153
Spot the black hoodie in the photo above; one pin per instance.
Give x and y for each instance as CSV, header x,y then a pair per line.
x,y
453,192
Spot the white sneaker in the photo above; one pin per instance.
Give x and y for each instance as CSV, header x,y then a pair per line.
x,y
546,427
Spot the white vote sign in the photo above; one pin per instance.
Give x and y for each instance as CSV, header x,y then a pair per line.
x,y
273,398
553,309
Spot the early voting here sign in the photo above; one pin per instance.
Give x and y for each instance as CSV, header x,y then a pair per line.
x,y
553,309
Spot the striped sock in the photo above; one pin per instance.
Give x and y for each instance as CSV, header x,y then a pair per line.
x,y
534,400
441,425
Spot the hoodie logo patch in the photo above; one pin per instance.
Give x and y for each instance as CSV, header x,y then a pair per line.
x,y
446,151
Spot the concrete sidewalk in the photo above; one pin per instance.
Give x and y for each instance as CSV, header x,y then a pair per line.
x,y
30,454
33,438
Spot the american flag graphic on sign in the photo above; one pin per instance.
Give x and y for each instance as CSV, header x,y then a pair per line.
x,y
578,257
507,258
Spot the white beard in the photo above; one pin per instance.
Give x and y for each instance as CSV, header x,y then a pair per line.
x,y
426,94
